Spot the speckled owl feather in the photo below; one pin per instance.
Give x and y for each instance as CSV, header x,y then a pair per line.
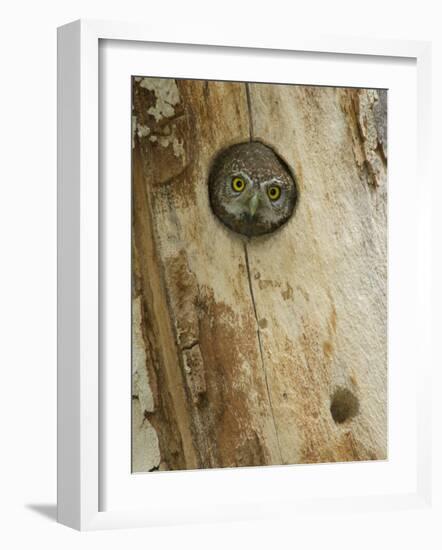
x,y
251,189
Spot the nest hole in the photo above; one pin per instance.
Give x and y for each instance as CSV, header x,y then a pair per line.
x,y
344,405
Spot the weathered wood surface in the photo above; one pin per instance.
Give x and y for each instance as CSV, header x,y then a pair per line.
x,y
271,350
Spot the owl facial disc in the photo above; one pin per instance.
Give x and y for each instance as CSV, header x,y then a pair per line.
x,y
251,189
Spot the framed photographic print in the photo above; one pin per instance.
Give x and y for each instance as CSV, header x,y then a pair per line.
x,y
238,227
259,238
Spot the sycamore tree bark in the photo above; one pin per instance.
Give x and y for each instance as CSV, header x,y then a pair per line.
x,y
270,350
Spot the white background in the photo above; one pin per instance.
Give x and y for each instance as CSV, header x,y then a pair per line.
x,y
28,277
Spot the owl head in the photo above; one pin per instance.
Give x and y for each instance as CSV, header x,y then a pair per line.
x,y
251,189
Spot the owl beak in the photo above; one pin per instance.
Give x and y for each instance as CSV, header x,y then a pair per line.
x,y
253,205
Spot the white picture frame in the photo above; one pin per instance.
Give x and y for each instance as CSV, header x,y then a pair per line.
x,y
80,437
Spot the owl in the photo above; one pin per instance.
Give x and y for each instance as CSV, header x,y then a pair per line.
x,y
251,189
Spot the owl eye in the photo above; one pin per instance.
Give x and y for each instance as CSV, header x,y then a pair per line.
x,y
274,192
238,184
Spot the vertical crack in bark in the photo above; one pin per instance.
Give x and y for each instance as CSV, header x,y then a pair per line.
x,y
249,110
252,296
258,333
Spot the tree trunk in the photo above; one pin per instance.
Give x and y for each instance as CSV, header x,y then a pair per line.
x,y
269,350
